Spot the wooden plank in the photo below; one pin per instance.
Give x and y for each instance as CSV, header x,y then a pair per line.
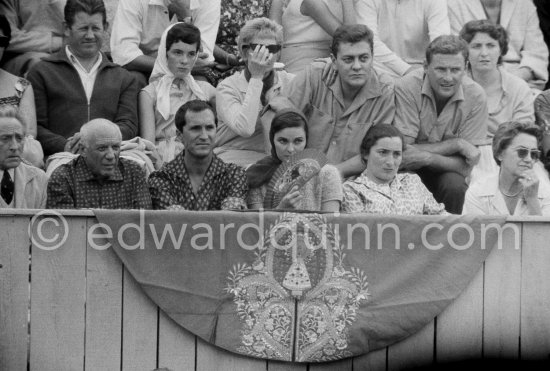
x,y
373,361
459,327
343,365
103,307
58,294
210,358
415,351
14,292
501,309
535,292
176,345
285,366
139,327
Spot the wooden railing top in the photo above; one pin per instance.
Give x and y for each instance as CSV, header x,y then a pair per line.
x,y
89,212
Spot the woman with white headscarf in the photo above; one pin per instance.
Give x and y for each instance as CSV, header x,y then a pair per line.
x,y
170,86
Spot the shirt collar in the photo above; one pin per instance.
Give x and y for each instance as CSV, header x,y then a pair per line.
x,y
11,171
193,4
84,174
74,60
371,89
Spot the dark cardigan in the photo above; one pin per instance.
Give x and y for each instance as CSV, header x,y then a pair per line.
x,y
61,103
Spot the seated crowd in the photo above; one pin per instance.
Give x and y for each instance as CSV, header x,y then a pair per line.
x,y
367,122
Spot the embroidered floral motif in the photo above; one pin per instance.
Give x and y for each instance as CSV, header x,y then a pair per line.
x,y
298,278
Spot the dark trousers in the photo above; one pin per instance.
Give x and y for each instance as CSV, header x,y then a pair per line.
x,y
448,188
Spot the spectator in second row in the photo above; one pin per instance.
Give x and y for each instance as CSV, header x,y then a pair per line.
x,y
17,92
171,86
443,115
79,83
527,55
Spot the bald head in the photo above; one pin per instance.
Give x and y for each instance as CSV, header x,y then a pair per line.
x,y
100,140
99,128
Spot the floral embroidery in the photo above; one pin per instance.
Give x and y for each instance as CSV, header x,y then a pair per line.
x,y
299,283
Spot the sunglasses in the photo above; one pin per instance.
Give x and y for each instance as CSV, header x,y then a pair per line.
x,y
4,41
273,48
523,152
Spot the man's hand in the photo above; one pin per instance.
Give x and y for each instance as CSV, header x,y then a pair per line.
x,y
414,159
73,144
181,8
470,152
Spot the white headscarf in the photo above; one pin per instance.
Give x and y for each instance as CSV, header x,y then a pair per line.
x,y
162,72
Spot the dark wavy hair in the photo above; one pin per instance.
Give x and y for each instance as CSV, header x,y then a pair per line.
x,y
183,32
376,133
448,45
195,105
506,133
352,33
287,118
90,7
495,31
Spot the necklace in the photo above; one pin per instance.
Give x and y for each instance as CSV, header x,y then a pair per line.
x,y
509,195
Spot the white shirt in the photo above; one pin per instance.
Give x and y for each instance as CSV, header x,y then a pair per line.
x,y
402,30
139,24
87,78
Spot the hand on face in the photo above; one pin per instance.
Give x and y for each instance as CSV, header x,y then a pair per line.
x,y
260,62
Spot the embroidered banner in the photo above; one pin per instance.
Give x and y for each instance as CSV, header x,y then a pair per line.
x,y
296,286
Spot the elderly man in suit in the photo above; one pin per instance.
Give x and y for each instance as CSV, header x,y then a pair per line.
x,y
22,186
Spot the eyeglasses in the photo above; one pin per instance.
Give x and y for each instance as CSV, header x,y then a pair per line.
x,y
273,48
4,41
523,152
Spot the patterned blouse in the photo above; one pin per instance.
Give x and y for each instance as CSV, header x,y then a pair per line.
x,y
223,187
405,195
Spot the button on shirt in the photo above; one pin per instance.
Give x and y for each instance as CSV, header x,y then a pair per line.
x,y
464,116
223,187
86,77
73,186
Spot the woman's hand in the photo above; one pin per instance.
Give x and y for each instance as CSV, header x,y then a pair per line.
x,y
260,62
291,200
530,184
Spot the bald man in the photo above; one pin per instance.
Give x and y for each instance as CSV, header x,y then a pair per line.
x,y
21,185
98,178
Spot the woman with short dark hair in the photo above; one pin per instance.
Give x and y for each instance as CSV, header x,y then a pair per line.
x,y
380,189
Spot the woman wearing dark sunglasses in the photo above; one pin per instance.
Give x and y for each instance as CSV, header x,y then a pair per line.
x,y
241,98
516,189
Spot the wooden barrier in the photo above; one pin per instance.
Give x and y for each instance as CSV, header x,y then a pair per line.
x,y
88,313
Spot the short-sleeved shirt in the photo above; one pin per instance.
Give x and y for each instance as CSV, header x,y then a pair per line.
x,y
464,116
326,186
405,195
332,128
223,187
74,186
